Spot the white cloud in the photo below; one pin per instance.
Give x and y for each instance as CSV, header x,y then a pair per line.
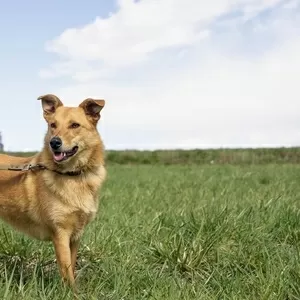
x,y
141,28
181,73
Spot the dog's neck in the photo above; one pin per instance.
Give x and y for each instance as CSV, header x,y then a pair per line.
x,y
69,173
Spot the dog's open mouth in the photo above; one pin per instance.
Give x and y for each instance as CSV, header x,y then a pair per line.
x,y
61,156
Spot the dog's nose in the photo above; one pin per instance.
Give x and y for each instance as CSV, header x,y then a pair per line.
x,y
55,143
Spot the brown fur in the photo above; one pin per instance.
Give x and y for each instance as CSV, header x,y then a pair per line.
x,y
50,206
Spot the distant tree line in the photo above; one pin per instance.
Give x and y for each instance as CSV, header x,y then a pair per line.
x,y
199,156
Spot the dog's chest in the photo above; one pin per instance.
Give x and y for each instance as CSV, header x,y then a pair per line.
x,y
73,209
75,191
74,198
67,201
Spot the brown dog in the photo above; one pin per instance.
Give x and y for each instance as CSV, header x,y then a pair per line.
x,y
58,196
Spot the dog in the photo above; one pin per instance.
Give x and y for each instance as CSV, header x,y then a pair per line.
x,y
54,194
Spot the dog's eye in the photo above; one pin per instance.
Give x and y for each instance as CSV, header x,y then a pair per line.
x,y
53,125
75,125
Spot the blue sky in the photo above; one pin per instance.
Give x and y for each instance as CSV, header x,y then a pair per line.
x,y
25,27
174,73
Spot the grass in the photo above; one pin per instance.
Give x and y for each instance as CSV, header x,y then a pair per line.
x,y
175,232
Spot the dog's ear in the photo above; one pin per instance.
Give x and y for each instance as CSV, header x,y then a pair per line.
x,y
50,103
92,108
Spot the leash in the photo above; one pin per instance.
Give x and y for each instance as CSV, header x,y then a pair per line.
x,y
29,167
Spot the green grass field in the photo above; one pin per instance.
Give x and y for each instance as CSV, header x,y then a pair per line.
x,y
175,232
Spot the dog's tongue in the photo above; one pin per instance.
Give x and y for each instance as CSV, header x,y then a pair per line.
x,y
59,156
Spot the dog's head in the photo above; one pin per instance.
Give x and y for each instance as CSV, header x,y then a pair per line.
x,y
71,130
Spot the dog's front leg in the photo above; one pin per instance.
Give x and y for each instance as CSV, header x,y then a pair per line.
x,y
74,245
61,241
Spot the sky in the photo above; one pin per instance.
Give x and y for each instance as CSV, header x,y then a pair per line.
x,y
174,73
